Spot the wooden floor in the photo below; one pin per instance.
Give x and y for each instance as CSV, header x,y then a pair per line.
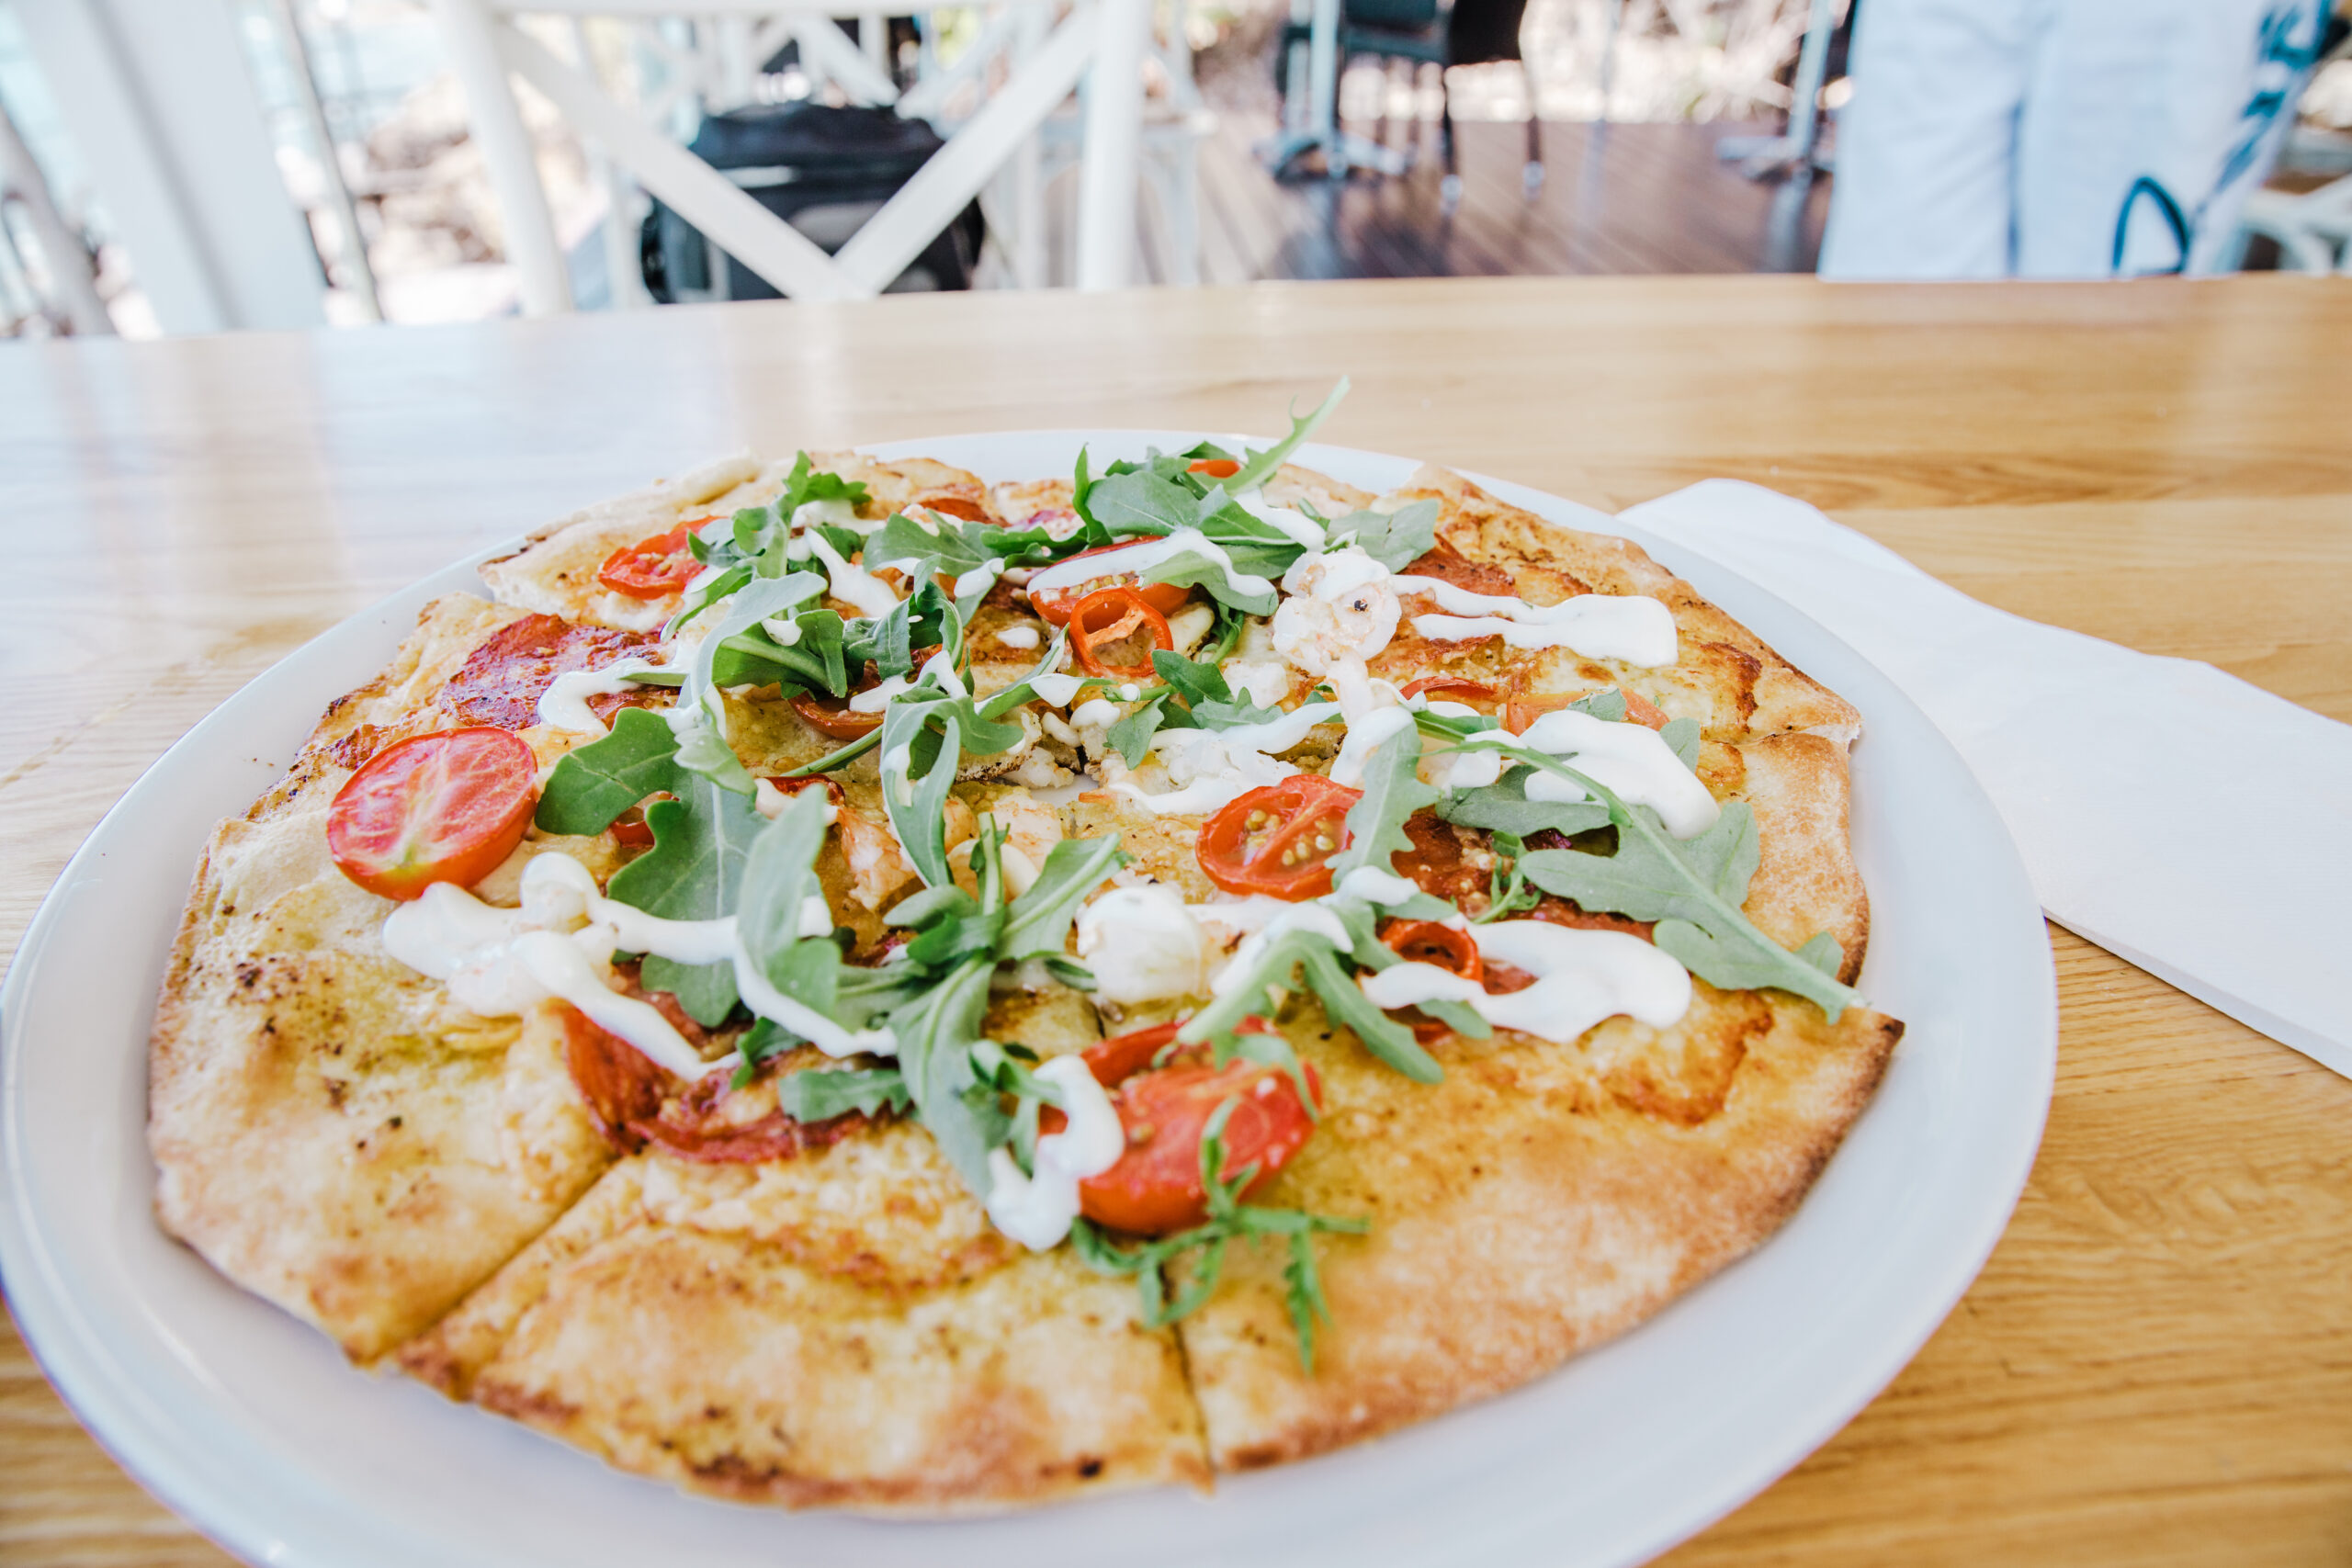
x,y
1615,198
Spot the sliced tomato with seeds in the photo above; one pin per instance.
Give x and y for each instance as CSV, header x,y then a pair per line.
x,y
652,567
1120,1056
1054,605
442,808
1104,620
1278,839
1216,467
1156,1187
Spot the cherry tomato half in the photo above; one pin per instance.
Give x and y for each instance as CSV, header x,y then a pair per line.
x,y
1120,1057
1055,603
1427,941
1449,688
630,830
441,807
1156,1186
1522,711
1278,839
833,716
1216,467
1111,616
652,567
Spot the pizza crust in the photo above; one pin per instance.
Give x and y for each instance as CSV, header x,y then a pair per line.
x,y
1540,1201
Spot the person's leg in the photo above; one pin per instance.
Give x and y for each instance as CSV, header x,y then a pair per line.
x,y
1926,150
2146,124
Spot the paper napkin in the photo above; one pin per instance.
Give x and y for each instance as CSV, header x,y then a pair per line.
x,y
2187,821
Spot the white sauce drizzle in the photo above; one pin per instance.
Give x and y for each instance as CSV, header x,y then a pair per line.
x,y
1375,886
564,704
1097,711
981,579
867,594
1312,916
498,962
1632,628
1630,759
1057,690
1018,636
1295,524
875,698
1137,559
1037,1209
1581,977
1365,735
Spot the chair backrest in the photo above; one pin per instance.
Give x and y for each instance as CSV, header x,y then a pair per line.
x,y
1103,40
1481,30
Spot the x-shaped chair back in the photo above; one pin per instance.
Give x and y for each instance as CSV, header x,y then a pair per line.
x,y
1105,36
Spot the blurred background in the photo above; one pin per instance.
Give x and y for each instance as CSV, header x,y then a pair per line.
x,y
188,165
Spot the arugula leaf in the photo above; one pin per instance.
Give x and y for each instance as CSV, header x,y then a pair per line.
x,y
813,661
1651,881
1312,951
928,548
819,1094
935,1033
1130,736
779,878
1259,467
709,593
1681,737
1393,791
1370,952
1229,1220
694,871
1506,896
918,811
1698,883
594,784
1396,539
1608,704
1140,501
1209,702
1038,922
1503,807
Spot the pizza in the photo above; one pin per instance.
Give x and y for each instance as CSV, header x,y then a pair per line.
x,y
843,984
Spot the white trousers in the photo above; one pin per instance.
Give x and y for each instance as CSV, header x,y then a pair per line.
x,y
2060,137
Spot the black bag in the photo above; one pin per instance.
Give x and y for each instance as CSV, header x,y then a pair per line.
x,y
824,170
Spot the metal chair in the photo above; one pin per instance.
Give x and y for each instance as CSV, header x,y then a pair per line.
x,y
1102,41
1467,32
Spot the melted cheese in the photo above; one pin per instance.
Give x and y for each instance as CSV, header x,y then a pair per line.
x,y
1036,1210
1143,944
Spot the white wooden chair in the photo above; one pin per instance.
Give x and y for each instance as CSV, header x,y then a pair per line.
x,y
1106,38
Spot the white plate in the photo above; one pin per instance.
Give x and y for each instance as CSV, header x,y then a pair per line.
x,y
254,1428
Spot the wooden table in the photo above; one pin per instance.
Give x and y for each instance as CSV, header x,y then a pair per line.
x,y
2156,1365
